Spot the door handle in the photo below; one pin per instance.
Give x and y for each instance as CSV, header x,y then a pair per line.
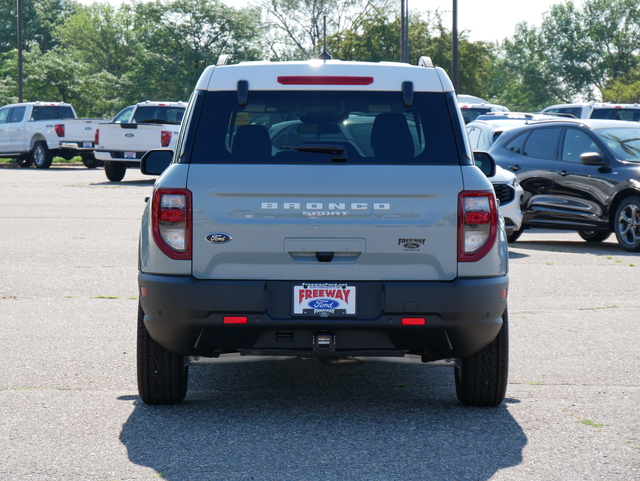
x,y
514,168
563,173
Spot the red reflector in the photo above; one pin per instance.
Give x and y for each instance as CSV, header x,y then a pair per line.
x,y
59,128
324,80
473,218
143,291
172,215
413,321
235,320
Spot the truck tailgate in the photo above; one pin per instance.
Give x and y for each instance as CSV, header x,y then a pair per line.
x,y
325,222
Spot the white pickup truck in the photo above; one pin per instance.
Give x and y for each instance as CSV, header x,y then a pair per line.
x,y
36,132
136,129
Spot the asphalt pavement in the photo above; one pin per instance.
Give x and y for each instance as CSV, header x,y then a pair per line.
x,y
69,408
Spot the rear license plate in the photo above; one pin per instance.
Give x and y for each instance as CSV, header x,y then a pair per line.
x,y
324,299
129,155
87,145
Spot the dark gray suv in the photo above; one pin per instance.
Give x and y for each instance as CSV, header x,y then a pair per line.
x,y
581,175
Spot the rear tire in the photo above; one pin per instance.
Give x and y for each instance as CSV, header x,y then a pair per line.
x,y
162,376
115,170
594,235
41,156
515,235
481,380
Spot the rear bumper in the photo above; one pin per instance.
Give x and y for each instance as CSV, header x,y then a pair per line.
x,y
132,157
186,316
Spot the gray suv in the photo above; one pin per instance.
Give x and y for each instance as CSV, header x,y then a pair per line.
x,y
322,209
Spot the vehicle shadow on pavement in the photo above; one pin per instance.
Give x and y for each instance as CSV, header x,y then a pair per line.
x,y
300,420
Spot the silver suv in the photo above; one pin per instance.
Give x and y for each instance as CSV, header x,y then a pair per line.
x,y
595,110
322,209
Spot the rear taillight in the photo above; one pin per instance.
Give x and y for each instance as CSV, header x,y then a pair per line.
x,y
171,221
59,128
477,224
96,137
165,138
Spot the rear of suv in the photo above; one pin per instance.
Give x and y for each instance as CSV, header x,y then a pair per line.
x,y
328,210
597,110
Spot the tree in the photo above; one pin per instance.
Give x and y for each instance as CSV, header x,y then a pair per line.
x,y
295,28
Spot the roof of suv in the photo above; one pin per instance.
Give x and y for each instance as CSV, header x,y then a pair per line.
x,y
319,74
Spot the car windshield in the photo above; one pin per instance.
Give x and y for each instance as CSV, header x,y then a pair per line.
x,y
624,143
327,126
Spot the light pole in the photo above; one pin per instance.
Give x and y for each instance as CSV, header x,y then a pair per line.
x,y
19,50
404,31
454,47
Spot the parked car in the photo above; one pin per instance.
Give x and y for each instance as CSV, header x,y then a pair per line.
x,y
484,131
597,110
582,175
510,196
327,210
471,110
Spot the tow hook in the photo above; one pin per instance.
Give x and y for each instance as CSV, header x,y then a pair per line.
x,y
324,342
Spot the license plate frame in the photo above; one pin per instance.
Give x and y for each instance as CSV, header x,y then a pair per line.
x,y
324,299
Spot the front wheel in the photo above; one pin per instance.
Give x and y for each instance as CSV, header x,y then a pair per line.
x,y
115,170
594,235
162,375
24,162
90,162
41,156
481,379
627,224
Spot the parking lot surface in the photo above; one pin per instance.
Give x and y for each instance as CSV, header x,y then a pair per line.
x,y
69,408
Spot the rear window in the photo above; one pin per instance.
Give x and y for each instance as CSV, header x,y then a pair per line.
x,y
320,126
616,114
159,115
49,112
472,113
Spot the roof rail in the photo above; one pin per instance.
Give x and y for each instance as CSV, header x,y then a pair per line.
x,y
425,62
223,59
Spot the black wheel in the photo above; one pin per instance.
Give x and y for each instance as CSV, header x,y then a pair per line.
x,y
515,235
90,162
162,375
481,380
41,156
24,161
594,235
627,224
115,170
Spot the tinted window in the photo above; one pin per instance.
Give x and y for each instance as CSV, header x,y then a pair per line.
x,y
4,113
158,115
17,114
48,112
517,143
323,126
575,143
472,113
575,111
616,114
542,143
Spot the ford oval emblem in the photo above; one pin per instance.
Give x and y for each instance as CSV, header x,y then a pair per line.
x,y
218,238
323,304
411,245
88,128
128,135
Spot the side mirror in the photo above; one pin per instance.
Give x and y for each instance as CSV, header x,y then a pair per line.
x,y
592,158
154,162
486,163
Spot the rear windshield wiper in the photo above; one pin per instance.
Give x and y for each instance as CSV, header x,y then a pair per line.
x,y
336,150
